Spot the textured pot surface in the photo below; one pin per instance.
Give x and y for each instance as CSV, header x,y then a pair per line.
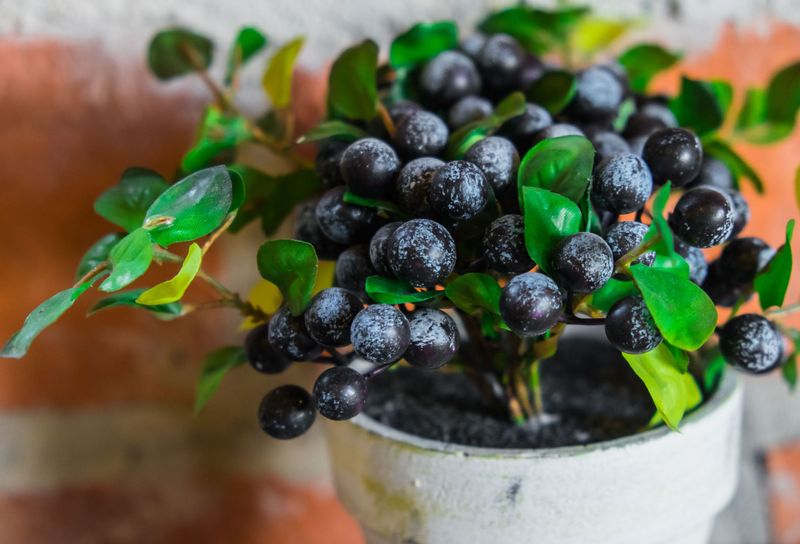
x,y
658,487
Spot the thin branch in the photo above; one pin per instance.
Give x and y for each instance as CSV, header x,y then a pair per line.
x,y
218,232
91,274
622,264
386,119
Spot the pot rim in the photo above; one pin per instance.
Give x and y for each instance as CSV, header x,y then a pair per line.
x,y
727,390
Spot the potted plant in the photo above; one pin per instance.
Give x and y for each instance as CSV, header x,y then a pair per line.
x,y
482,197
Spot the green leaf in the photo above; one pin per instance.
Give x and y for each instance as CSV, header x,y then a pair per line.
x,y
797,187
128,298
723,91
287,192
391,207
665,382
422,42
173,289
191,208
549,217
554,90
352,86
292,266
537,30
216,365
593,34
248,42
562,165
277,80
97,253
391,291
626,109
130,258
660,227
713,372
681,310
697,106
789,372
694,397
220,131
769,115
39,319
462,139
608,295
238,190
178,51
736,164
333,129
643,61
772,282
475,291
753,112
126,203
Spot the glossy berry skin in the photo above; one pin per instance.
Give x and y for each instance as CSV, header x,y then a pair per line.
x,y
421,252
531,304
503,245
329,316
326,162
532,70
449,76
260,353
649,117
522,129
713,173
582,262
630,327
498,159
673,154
342,222
598,94
434,338
369,167
721,289
353,267
289,337
703,217
379,246
286,412
467,110
397,112
752,343
626,236
607,144
413,183
743,258
458,191
500,61
698,267
380,333
307,230
420,134
340,393
554,131
741,211
472,44
622,183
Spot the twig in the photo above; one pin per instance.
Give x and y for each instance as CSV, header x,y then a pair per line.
x,y
621,266
786,310
218,232
192,56
386,119
91,274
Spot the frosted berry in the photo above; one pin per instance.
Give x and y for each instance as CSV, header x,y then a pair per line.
x,y
498,159
583,262
434,338
531,304
421,252
413,183
458,191
378,248
380,333
288,335
260,353
330,314
342,222
503,245
630,327
286,412
369,167
622,183
340,393
752,343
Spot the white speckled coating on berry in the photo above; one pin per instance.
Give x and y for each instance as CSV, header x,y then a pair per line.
x,y
330,314
434,338
498,160
622,183
583,262
421,133
380,333
504,247
459,191
752,343
422,252
413,182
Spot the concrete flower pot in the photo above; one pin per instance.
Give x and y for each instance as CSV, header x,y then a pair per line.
x,y
658,487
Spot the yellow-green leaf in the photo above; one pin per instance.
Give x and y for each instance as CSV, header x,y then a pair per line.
x,y
592,34
172,290
277,80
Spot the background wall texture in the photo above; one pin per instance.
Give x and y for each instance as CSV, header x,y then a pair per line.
x,y
97,441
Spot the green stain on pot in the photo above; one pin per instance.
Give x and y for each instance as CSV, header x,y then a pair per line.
x,y
389,501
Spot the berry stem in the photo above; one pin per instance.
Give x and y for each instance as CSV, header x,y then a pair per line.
x,y
218,232
572,320
194,59
386,119
622,265
786,310
93,273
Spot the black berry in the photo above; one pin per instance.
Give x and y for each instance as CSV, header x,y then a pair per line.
x,y
698,267
608,144
458,191
330,314
741,211
626,236
673,154
353,267
554,131
630,327
523,129
500,61
369,167
467,110
286,412
380,333
504,245
583,262
420,134
598,94
378,248
449,76
434,338
622,183
413,183
743,258
326,162
288,335
307,230
703,217
260,353
531,304
752,343
498,159
721,288
342,222
421,252
340,393
713,173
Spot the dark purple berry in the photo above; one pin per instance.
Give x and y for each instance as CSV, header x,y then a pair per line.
x,y
449,76
622,183
532,70
624,237
340,393
330,314
553,131
721,288
531,304
467,110
288,335
752,343
598,94
353,267
607,144
379,249
523,129
397,112
583,262
500,62
380,333
260,353
342,222
413,183
434,338
673,154
698,267
286,412
421,252
420,134
741,211
743,258
630,327
703,217
498,160
326,162
649,118
458,191
369,167
713,173
473,44
307,230
504,245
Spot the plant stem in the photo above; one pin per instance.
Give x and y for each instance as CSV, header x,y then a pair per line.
x,y
622,264
194,59
572,320
91,274
218,232
386,119
786,310
536,386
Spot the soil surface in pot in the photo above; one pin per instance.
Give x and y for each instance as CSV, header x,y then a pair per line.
x,y
590,395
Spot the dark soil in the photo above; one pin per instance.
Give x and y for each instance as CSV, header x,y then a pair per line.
x,y
590,395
